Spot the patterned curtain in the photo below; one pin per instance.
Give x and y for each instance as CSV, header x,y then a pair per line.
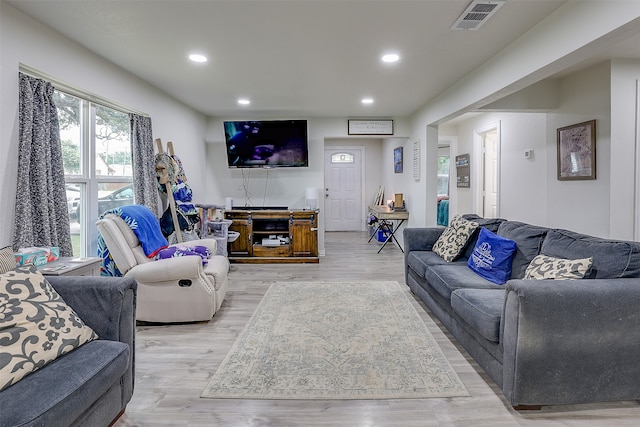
x,y
144,174
42,218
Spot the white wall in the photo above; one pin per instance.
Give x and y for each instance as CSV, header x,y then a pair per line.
x,y
527,61
23,40
581,206
529,189
421,193
522,181
287,186
624,211
397,182
198,141
546,49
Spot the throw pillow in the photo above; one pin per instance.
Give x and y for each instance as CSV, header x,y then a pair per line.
x,y
36,325
491,257
7,259
454,238
547,267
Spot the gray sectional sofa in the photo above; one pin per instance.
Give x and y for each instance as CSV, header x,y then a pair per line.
x,y
91,385
543,342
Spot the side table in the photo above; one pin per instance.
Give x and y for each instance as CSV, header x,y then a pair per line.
x,y
384,214
72,266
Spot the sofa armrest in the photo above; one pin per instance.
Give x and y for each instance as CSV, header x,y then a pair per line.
x,y
106,304
418,239
572,341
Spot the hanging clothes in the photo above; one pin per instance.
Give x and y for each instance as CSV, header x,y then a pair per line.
x,y
183,196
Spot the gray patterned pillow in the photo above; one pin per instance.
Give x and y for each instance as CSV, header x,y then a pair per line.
x,y
7,259
454,238
36,325
547,267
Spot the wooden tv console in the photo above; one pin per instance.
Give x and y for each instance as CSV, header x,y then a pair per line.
x,y
274,236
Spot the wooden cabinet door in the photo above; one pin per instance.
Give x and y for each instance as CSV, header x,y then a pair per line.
x,y
242,246
304,236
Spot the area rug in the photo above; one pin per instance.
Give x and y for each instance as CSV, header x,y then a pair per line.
x,y
310,340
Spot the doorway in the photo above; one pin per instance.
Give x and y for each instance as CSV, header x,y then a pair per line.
x,y
490,143
443,190
343,205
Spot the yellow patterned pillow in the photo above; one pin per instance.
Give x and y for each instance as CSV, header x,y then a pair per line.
x,y
454,238
546,267
36,325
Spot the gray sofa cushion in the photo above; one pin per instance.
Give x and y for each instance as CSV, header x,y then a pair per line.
x,y
419,260
73,383
528,239
611,258
481,309
445,279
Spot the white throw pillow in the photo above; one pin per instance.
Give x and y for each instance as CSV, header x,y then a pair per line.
x,y
454,238
36,325
547,267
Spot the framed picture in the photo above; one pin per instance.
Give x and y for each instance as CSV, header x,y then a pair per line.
x,y
370,127
397,160
463,171
577,152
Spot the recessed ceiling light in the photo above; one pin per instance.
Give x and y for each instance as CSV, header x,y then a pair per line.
x,y
390,57
244,101
196,57
367,100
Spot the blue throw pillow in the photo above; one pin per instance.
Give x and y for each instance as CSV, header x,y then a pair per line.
x,y
491,258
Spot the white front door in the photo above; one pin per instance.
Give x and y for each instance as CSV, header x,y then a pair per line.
x,y
343,189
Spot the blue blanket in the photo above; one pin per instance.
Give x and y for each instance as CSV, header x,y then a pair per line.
x,y
443,213
144,225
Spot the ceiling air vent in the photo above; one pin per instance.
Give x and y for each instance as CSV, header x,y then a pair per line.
x,y
476,14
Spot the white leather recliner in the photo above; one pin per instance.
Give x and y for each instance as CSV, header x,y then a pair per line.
x,y
170,290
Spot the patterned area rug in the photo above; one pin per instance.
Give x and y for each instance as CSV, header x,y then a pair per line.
x,y
335,341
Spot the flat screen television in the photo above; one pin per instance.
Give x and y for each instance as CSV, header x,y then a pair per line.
x,y
266,143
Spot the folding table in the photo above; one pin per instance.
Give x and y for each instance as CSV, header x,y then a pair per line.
x,y
386,216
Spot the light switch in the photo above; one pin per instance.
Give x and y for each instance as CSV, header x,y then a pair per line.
x,y
528,153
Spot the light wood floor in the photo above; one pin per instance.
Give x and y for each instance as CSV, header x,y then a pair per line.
x,y
174,363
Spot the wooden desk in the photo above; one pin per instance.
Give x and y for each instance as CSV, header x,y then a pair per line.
x,y
385,215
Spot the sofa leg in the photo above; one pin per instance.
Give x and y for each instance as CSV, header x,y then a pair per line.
x,y
527,407
115,420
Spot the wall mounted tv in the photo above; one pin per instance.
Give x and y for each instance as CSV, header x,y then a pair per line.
x,y
266,143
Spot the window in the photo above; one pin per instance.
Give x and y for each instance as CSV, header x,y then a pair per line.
x,y
443,176
96,151
342,158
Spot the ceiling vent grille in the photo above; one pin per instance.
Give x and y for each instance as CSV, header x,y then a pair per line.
x,y
476,14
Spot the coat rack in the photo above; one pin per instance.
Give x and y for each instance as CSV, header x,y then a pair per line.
x,y
164,179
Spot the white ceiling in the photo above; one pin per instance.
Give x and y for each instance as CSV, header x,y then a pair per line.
x,y
301,58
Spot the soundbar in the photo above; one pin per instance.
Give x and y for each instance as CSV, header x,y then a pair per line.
x,y
260,208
